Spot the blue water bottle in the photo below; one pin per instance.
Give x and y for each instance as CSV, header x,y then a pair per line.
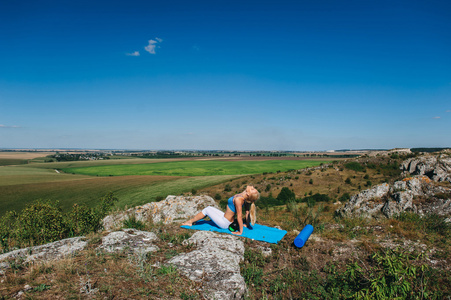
x,y
302,237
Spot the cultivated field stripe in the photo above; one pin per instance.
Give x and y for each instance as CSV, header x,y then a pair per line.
x,y
195,168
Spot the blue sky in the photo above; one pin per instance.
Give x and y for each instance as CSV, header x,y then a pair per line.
x,y
231,75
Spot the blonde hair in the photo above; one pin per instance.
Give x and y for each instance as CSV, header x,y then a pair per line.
x,y
252,196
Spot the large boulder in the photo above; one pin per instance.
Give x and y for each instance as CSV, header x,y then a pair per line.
x,y
171,210
437,168
366,203
51,251
413,194
129,240
215,263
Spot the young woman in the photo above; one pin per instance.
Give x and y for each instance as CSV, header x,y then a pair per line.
x,y
235,206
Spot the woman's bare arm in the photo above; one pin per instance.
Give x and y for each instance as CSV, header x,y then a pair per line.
x,y
239,215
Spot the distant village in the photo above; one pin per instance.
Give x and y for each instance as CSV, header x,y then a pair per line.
x,y
88,154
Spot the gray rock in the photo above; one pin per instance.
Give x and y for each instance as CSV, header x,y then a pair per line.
x,y
129,240
171,210
400,197
366,203
51,251
437,168
215,263
399,202
439,207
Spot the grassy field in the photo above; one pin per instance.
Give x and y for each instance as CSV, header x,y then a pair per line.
x,y
135,181
130,190
195,168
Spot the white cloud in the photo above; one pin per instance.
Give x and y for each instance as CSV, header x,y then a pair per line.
x,y
448,111
136,53
436,118
152,45
6,126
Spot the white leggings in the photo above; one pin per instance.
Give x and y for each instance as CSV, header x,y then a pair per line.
x,y
216,216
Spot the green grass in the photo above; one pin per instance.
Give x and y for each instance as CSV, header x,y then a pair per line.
x,y
195,168
16,175
90,163
23,184
12,161
130,190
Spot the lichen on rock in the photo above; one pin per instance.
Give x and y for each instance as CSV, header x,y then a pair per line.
x,y
215,263
171,210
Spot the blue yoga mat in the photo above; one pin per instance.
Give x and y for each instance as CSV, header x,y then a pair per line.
x,y
258,232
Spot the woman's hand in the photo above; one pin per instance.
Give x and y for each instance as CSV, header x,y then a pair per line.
x,y
237,233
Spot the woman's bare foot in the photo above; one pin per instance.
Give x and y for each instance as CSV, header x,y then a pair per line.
x,y
187,223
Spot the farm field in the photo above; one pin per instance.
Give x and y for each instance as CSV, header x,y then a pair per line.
x,y
135,181
195,168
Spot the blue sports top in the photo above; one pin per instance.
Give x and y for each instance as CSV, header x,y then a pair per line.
x,y
231,205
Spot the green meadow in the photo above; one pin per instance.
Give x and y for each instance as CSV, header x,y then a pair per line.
x,y
133,181
195,168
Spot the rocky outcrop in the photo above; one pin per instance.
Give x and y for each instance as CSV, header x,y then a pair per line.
x,y
366,203
437,168
215,263
171,210
129,240
51,251
415,194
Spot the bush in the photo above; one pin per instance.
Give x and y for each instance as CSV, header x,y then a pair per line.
x,y
317,198
390,275
345,197
43,221
355,166
286,195
264,202
82,220
227,188
268,188
218,197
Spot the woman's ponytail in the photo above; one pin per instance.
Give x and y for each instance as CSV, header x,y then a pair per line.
x,y
253,214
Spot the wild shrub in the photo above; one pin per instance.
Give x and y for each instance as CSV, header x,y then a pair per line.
x,y
392,275
355,166
317,198
227,188
82,220
269,201
345,197
286,195
268,188
7,227
43,221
